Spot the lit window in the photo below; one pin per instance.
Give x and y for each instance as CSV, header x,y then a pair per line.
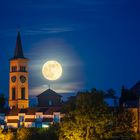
x,y
22,68
14,68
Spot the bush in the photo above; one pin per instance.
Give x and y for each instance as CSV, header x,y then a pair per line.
x,y
6,135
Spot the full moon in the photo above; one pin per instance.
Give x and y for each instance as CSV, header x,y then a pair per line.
x,y
52,70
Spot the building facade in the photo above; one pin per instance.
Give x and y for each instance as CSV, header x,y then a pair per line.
x,y
33,117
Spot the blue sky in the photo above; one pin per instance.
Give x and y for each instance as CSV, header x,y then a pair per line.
x,y
96,41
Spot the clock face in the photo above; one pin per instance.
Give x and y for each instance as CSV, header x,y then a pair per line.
x,y
22,79
13,79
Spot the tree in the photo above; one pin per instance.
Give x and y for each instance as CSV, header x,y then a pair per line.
x,y
37,133
6,135
69,105
93,119
90,120
2,101
111,93
123,124
23,134
127,95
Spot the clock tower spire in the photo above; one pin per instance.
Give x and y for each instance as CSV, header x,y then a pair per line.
x,y
18,50
18,78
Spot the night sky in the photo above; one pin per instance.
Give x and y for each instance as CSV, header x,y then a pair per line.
x,y
96,41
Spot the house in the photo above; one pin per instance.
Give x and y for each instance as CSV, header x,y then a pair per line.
x,y
33,117
49,98
130,99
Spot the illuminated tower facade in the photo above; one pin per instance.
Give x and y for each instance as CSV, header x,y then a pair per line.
x,y
18,78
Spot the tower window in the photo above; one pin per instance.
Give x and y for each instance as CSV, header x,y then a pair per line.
x,y
13,93
23,93
14,68
22,68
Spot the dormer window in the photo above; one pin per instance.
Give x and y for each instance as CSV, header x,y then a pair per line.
x,y
14,68
22,68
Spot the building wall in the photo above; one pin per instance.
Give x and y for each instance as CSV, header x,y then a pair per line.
x,y
29,116
48,100
29,124
32,124
18,84
11,117
135,112
12,125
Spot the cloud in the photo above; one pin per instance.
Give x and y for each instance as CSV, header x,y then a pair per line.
x,y
43,29
63,88
50,30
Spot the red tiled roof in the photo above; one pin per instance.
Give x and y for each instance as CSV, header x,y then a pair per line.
x,y
13,112
12,121
30,120
33,110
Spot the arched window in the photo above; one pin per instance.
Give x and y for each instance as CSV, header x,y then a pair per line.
x,y
14,69
23,93
13,93
22,68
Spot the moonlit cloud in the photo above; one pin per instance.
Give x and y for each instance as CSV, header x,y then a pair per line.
x,y
59,88
46,29
51,30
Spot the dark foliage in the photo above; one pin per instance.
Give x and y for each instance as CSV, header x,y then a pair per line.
x,y
2,101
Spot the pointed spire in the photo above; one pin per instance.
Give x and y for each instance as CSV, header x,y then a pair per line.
x,y
18,50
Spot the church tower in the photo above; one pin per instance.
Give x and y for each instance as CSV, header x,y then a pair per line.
x,y
18,78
